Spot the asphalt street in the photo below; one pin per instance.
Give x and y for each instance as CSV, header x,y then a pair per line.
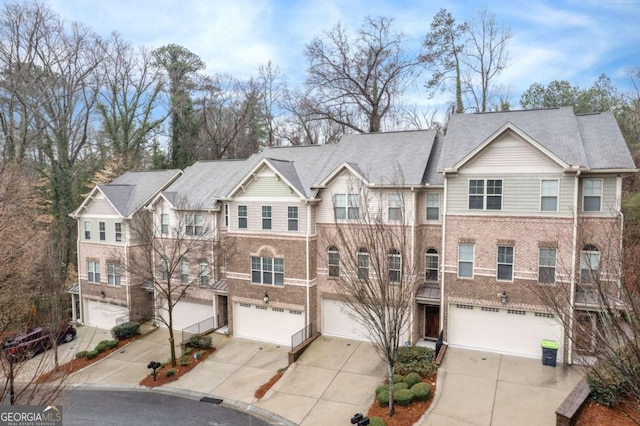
x,y
88,407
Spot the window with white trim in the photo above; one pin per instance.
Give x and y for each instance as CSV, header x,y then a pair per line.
x,y
102,227
226,215
546,265
363,264
491,199
346,206
432,262
118,231
164,224
465,260
242,217
592,195
589,264
549,195
505,263
266,217
433,206
395,207
395,266
267,270
93,271
204,273
194,224
113,274
184,271
333,261
292,218
164,269
87,230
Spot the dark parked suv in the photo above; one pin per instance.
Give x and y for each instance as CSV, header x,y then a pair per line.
x,y
36,340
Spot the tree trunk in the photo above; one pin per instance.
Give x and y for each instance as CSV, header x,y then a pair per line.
x,y
391,369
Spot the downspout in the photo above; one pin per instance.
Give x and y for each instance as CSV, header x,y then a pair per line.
x,y
572,293
126,257
442,252
153,263
621,248
307,260
79,315
415,262
213,271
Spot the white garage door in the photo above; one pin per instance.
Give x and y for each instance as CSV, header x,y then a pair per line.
x,y
266,323
509,331
186,314
337,321
103,314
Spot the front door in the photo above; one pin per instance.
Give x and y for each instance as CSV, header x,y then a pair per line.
x,y
431,321
223,313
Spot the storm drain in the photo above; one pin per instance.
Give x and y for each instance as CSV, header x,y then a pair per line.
x,y
211,400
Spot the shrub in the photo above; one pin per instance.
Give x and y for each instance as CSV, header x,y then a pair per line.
x,y
416,359
184,362
125,330
199,341
400,386
397,378
403,397
412,378
383,399
170,372
112,344
421,391
382,388
376,421
81,354
92,354
604,391
103,346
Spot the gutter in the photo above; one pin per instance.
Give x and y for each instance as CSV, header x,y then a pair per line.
x,y
572,293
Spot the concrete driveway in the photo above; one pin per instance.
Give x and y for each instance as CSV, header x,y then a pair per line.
x,y
483,388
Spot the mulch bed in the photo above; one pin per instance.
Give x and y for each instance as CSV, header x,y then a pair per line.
x,y
597,415
262,390
78,364
404,416
180,370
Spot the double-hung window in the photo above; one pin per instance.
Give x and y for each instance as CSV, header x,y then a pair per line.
x,y
242,217
354,207
333,261
549,195
346,206
465,260
431,265
87,230
491,199
103,231
546,265
113,274
363,264
589,264
164,269
164,224
433,206
93,271
505,263
292,218
118,231
226,215
184,271
204,273
395,207
266,217
592,195
194,224
267,270
395,266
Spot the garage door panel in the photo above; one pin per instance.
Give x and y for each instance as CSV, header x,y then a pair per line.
x,y
339,322
266,323
507,331
103,315
186,314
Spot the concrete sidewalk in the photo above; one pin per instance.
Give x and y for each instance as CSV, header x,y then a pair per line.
x,y
484,388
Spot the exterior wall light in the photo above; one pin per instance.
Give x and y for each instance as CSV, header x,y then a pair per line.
x,y
102,294
265,298
503,297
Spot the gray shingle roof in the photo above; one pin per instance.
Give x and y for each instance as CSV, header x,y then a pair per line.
x,y
132,190
287,170
592,141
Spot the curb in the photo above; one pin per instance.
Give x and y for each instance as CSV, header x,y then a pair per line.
x,y
260,413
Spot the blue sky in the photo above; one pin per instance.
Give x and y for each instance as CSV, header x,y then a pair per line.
x,y
574,40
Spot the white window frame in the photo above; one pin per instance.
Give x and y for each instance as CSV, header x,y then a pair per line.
x,y
194,224
267,214
554,195
433,204
204,273
226,215
546,262
431,266
346,206
394,202
243,220
465,260
395,266
293,217
117,227
184,271
87,230
591,194
333,262
102,231
164,269
485,195
113,274
164,224
93,271
505,258
590,257
269,270
364,262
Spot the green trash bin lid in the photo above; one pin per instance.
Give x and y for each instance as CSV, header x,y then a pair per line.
x,y
549,344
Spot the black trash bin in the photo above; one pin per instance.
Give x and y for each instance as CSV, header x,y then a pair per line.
x,y
549,352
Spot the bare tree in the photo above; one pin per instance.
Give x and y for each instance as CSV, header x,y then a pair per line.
x,y
162,257
354,81
378,272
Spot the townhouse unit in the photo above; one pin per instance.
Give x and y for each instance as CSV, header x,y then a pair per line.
x,y
501,208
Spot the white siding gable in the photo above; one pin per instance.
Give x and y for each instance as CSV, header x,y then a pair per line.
x,y
99,206
266,185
